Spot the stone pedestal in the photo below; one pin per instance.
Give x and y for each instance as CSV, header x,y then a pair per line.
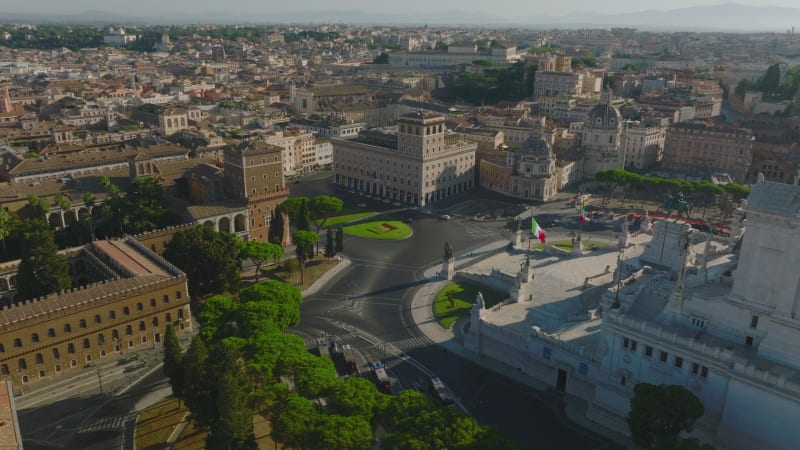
x,y
647,224
472,339
577,246
516,239
448,268
624,239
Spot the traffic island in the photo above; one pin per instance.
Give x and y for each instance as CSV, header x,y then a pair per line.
x,y
456,299
379,229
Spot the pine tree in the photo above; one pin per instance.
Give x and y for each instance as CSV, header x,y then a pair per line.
x,y
173,358
233,427
196,391
276,226
42,270
330,248
339,240
304,217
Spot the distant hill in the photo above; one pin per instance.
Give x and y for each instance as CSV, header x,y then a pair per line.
x,y
722,17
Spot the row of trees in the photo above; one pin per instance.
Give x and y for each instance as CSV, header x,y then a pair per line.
x,y
28,236
770,83
653,187
243,363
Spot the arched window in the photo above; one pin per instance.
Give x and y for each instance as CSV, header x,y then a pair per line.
x,y
155,321
139,306
17,342
51,332
86,343
2,348
22,364
112,315
168,318
101,339
35,337
97,318
153,302
82,323
126,311
56,353
114,334
67,328
4,369
142,326
128,330
166,298
70,348
39,358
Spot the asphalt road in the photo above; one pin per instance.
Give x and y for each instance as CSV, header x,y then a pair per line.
x,y
366,306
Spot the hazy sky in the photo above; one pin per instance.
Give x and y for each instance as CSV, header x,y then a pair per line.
x,y
500,8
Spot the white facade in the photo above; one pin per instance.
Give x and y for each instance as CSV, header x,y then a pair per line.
x,y
323,154
684,310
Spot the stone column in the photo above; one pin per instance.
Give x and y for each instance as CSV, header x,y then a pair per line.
x,y
448,268
516,239
472,340
577,246
286,241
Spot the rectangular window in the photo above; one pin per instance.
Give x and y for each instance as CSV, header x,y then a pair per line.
x,y
648,351
663,356
695,368
748,341
626,343
633,345
754,321
704,372
678,362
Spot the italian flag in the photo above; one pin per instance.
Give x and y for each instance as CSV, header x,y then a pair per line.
x,y
583,217
537,231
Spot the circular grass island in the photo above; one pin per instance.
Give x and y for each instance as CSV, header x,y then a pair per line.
x,y
379,229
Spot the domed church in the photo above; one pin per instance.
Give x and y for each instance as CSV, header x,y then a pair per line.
x,y
601,139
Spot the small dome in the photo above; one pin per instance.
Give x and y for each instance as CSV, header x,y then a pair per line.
x,y
536,146
603,116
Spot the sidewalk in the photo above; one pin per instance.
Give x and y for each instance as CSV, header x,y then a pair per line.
x,y
452,340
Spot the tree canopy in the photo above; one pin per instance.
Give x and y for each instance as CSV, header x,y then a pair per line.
x,y
259,253
661,412
209,258
42,269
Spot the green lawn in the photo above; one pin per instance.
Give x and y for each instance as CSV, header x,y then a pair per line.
x,y
567,245
333,221
463,298
156,423
379,229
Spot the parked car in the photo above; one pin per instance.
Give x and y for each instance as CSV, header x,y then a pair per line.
x,y
397,204
426,212
444,217
361,205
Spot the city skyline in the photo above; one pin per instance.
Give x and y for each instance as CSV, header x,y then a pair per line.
x,y
503,9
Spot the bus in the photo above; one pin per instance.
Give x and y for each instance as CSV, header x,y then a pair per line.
x,y
323,347
349,359
381,378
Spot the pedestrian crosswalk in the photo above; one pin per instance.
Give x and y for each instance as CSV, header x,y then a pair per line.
x,y
105,423
359,341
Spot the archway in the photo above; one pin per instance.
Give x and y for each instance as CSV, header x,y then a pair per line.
x,y
239,223
225,224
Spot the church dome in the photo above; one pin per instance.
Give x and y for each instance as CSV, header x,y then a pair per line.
x,y
603,116
535,145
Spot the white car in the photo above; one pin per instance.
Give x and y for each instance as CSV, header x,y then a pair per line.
x,y
397,204
386,200
414,208
426,212
444,217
